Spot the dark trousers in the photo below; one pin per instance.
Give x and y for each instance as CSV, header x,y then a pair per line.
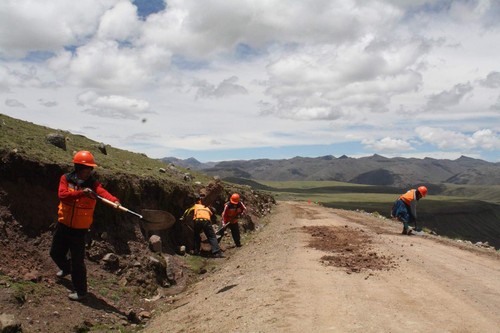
x,y
67,240
403,213
206,227
235,232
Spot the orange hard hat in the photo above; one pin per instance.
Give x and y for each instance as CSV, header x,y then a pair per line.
x,y
235,198
422,190
84,157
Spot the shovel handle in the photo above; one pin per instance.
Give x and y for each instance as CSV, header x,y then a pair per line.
x,y
117,206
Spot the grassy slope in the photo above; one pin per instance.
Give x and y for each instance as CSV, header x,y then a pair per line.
x,y
30,142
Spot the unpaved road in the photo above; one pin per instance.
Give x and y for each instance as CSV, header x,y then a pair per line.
x,y
278,283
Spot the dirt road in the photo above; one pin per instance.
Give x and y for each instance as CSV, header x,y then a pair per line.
x,y
360,275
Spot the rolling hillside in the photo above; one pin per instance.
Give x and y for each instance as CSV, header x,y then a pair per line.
x,y
373,170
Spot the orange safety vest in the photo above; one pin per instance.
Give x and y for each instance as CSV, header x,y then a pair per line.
x,y
76,214
408,197
201,212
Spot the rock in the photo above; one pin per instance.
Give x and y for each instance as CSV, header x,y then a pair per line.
x,y
155,243
57,140
9,324
162,170
145,314
111,261
153,261
33,276
168,269
133,318
102,148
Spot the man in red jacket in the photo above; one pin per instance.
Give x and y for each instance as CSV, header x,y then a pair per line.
x,y
75,216
232,211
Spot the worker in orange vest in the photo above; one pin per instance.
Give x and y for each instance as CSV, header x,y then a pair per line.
x,y
203,218
75,216
233,209
405,207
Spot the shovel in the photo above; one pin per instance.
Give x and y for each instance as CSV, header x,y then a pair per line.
x,y
153,219
220,233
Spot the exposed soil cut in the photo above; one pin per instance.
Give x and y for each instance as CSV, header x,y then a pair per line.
x,y
127,280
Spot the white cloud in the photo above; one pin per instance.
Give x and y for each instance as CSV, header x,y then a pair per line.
x,y
486,139
362,77
447,139
492,80
119,23
112,106
14,103
450,97
48,104
200,31
388,144
47,26
105,65
496,106
227,87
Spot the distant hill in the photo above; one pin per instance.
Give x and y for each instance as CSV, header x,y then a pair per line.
x,y
372,170
191,163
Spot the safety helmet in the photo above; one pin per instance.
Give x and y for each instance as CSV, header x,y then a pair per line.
x,y
422,190
85,158
235,198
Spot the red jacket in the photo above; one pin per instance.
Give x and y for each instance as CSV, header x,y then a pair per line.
x,y
76,210
232,211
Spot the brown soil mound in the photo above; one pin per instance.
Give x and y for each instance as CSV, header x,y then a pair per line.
x,y
350,248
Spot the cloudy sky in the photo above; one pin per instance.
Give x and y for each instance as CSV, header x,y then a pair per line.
x,y
222,80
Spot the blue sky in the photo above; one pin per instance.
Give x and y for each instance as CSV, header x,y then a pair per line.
x,y
219,80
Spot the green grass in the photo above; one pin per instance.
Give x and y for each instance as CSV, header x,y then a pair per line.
x,y
195,263
22,290
29,141
489,193
299,184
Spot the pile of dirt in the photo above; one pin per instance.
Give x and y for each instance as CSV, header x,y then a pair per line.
x,y
350,248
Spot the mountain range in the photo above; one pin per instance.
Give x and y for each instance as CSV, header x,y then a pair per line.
x,y
372,170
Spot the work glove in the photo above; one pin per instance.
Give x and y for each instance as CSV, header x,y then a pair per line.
x,y
89,193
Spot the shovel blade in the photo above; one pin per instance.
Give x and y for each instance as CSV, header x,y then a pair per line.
x,y
154,220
